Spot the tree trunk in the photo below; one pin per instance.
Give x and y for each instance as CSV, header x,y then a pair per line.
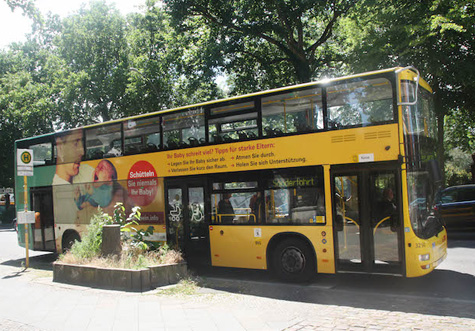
x,y
303,71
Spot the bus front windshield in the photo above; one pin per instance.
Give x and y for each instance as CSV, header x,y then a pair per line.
x,y
423,172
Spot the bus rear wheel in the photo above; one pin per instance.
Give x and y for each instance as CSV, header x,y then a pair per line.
x,y
69,237
293,260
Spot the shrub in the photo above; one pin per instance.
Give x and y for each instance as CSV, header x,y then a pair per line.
x,y
137,252
90,246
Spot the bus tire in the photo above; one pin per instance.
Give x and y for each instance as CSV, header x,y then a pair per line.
x,y
293,260
69,237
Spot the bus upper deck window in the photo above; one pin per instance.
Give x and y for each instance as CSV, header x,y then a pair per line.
x,y
297,111
233,122
42,153
142,135
184,129
104,141
360,103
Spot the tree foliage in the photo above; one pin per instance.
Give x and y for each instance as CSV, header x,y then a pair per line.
x,y
77,70
171,69
436,36
271,42
93,46
26,99
28,7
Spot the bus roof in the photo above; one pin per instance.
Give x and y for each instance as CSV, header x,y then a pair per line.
x,y
249,95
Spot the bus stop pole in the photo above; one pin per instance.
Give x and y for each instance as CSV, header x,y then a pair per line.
x,y
25,197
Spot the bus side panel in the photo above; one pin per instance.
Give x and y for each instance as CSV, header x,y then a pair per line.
x,y
246,246
42,177
237,246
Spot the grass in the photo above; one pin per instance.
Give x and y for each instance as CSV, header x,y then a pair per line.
x,y
187,286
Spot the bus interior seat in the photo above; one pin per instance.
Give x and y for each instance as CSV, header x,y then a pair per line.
x,y
273,132
242,135
217,138
183,144
97,155
251,135
172,144
278,132
269,132
333,124
151,148
130,149
301,127
227,138
193,141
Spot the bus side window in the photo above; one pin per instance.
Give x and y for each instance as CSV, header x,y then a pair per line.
x,y
359,103
104,141
233,122
299,111
142,135
184,129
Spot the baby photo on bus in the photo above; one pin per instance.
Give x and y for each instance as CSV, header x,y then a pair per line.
x,y
99,193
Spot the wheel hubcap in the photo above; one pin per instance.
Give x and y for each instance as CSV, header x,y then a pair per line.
x,y
293,260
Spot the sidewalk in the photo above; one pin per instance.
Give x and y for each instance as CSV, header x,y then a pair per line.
x,y
30,301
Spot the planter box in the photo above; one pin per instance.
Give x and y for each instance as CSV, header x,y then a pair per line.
x,y
119,279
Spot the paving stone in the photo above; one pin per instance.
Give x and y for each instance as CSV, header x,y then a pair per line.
x,y
53,306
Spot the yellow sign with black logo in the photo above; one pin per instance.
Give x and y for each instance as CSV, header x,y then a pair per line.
x,y
26,157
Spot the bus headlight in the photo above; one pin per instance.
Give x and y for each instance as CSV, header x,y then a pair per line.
x,y
424,257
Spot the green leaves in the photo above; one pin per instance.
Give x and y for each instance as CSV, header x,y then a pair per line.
x,y
93,45
437,37
272,43
76,71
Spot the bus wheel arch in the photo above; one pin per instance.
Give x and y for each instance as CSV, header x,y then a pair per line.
x,y
68,239
292,257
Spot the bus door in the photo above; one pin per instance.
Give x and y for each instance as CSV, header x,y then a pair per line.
x,y
187,226
43,229
367,220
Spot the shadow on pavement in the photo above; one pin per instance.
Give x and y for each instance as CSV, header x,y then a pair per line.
x,y
7,229
464,239
40,262
443,293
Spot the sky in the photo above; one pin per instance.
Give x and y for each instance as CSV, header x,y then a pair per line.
x,y
14,26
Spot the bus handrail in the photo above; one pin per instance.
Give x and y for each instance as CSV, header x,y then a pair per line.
x,y
409,103
379,223
353,221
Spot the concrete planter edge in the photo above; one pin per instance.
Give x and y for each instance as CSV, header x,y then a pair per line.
x,y
129,280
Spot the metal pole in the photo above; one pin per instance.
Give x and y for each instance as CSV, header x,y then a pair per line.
x,y
25,197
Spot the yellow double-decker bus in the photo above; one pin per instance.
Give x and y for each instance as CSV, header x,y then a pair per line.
x,y
324,177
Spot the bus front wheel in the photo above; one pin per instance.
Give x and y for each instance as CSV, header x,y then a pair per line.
x,y
293,260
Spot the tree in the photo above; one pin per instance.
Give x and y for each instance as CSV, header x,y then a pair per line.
x,y
171,67
436,36
93,46
266,43
27,105
28,7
